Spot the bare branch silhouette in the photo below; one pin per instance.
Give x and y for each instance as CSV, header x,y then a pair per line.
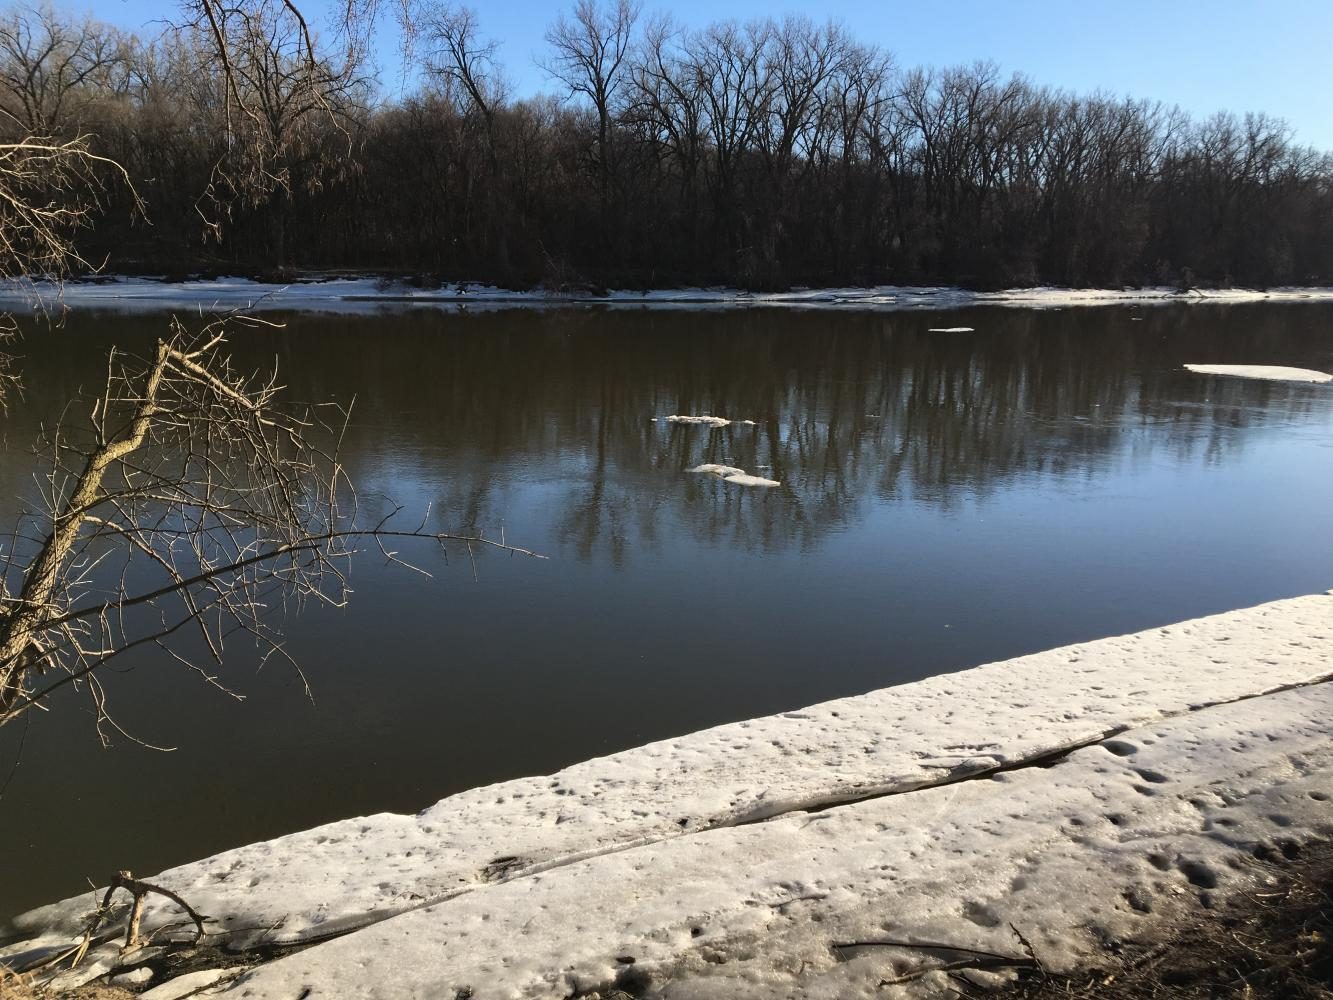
x,y
196,501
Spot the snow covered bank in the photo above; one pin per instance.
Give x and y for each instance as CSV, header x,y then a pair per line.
x,y
366,294
913,813
1100,847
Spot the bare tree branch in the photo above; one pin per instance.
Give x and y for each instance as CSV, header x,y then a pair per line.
x,y
195,499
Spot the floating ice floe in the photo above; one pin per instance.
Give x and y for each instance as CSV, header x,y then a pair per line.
x,y
731,474
1274,373
951,329
676,418
745,479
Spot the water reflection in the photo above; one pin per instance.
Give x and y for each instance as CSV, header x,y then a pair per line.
x,y
849,409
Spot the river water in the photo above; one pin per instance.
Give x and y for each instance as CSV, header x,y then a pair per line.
x,y
947,499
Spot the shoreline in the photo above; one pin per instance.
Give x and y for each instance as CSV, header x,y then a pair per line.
x,y
763,856
353,295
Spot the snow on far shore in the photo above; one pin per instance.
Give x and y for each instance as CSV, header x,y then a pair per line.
x,y
347,295
1273,373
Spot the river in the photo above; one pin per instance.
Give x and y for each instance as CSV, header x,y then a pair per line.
x,y
946,499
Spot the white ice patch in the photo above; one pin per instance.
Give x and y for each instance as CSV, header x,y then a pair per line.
x,y
731,474
189,984
135,977
745,479
718,470
1273,373
707,421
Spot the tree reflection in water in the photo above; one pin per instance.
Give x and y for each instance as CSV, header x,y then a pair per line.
x,y
849,409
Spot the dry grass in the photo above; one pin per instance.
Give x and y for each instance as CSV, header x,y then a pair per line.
x,y
1275,943
20,988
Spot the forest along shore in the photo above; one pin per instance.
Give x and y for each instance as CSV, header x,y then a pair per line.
x,y
776,153
1045,812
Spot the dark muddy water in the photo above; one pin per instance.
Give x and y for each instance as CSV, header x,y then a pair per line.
x,y
946,500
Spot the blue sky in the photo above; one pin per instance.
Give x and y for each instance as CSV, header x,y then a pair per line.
x,y
1239,55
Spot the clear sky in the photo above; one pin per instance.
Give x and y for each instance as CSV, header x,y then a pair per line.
x,y
1238,55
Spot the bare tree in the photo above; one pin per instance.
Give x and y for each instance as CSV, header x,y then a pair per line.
x,y
194,499
590,53
457,55
52,68
280,99
464,64
738,86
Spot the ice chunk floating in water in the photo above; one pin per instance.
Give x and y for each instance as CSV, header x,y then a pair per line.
x,y
709,421
731,474
1274,373
718,470
745,479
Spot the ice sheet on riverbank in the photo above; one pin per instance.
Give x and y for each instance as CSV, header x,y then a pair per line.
x,y
355,872
1107,843
367,294
1272,373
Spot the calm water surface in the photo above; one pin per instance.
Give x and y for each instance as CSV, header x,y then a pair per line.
x,y
947,500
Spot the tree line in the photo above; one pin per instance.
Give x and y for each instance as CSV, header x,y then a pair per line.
x,y
767,154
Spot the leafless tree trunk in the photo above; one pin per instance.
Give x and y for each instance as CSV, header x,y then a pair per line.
x,y
457,55
590,52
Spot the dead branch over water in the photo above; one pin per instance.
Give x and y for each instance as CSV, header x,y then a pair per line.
x,y
193,501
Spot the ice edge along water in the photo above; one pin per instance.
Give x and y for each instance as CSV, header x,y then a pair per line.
x,y
366,294
628,856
